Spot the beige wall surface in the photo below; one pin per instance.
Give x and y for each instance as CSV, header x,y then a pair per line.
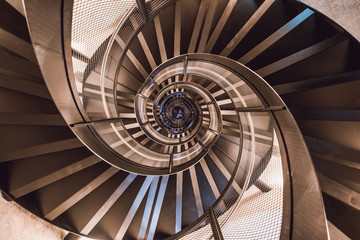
x,y
345,12
17,224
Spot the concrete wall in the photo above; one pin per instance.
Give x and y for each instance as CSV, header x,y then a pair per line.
x,y
18,224
344,12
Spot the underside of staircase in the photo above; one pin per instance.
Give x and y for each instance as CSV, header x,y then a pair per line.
x,y
206,119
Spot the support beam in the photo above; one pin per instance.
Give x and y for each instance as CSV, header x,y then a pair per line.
x,y
160,39
32,119
339,191
215,227
108,204
179,196
132,57
18,5
247,27
158,206
144,44
83,192
195,186
177,29
198,24
276,36
220,25
336,160
207,26
326,114
148,208
313,83
54,176
127,115
333,152
171,163
12,63
134,207
17,45
211,182
335,233
301,55
24,86
41,149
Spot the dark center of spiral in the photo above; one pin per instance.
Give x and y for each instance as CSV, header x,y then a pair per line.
x,y
178,112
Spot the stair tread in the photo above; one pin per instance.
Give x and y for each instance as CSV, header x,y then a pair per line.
x,y
339,191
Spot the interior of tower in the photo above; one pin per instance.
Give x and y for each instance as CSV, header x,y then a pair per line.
x,y
178,119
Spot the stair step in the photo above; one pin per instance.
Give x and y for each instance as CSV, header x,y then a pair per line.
x,y
276,36
345,133
330,148
41,149
40,182
337,160
335,233
326,114
347,176
58,210
24,86
32,119
12,18
301,55
343,216
12,63
239,36
17,45
313,83
339,191
327,97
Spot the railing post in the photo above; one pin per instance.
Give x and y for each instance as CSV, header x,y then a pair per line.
x,y
215,227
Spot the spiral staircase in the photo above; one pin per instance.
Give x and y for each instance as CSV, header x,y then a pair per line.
x,y
187,119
